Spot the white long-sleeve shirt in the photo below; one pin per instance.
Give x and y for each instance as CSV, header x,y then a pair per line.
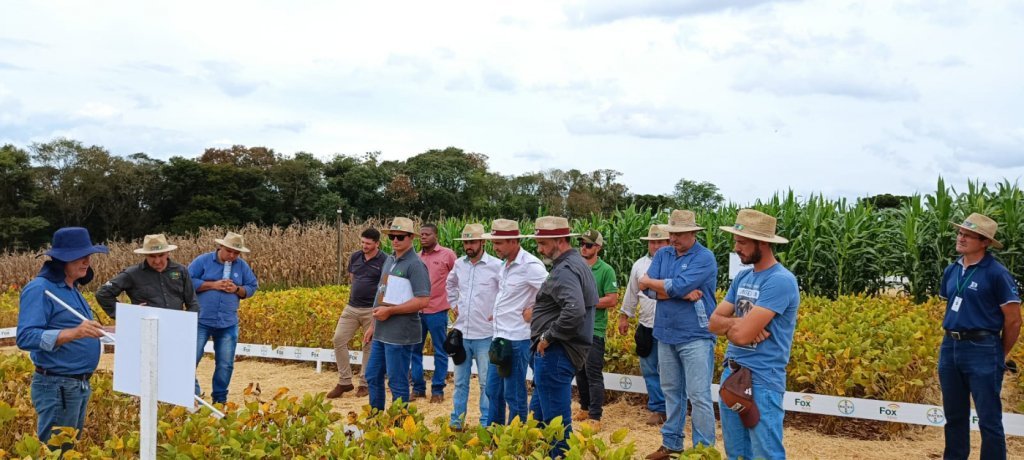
x,y
519,283
634,299
472,290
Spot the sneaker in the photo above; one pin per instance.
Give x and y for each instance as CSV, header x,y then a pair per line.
x,y
662,453
580,415
339,390
362,392
436,398
656,418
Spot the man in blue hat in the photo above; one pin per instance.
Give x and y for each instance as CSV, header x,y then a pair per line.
x,y
65,349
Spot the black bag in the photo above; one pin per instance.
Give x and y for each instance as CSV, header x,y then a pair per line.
x,y
644,338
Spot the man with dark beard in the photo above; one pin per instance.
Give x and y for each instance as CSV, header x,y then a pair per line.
x,y
758,316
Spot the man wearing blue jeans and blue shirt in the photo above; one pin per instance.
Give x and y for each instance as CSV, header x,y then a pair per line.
x,y
519,279
758,316
221,279
439,261
472,287
636,303
982,324
562,329
396,326
64,349
683,276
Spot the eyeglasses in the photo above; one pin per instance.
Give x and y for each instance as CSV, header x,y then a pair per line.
x,y
584,244
969,235
397,237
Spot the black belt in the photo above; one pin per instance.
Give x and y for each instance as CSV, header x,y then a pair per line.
x,y
969,335
82,377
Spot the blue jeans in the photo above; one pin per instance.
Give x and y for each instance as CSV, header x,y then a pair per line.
x,y
763,440
476,349
686,371
552,393
509,390
59,401
649,369
224,341
437,325
972,368
390,360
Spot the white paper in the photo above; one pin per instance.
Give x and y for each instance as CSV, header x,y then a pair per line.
x,y
735,266
176,353
398,291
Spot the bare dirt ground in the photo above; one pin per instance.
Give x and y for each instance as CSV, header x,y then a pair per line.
x,y
801,441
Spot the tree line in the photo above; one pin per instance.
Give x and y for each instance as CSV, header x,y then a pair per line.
x,y
65,182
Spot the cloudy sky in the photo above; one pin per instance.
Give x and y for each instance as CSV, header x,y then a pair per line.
x,y
842,98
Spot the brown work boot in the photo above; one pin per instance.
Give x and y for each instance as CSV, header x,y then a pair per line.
x,y
436,398
662,453
580,415
362,392
656,418
339,390
416,395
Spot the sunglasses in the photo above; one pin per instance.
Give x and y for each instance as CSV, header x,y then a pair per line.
x,y
397,237
584,244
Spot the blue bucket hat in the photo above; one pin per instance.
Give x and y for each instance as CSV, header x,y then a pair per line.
x,y
73,243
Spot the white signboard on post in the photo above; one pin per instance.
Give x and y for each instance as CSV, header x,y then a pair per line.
x,y
176,359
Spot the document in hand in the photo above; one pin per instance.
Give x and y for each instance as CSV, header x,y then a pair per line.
x,y
398,291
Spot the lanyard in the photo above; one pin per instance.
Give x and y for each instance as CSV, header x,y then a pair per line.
x,y
963,282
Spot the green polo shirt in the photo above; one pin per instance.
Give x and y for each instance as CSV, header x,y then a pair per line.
x,y
604,278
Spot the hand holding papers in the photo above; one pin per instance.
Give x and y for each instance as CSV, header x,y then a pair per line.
x,y
397,291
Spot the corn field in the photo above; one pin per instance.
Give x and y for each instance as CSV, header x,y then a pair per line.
x,y
836,247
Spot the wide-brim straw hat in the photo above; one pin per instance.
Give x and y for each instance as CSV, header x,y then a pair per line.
x,y
471,232
682,221
982,225
656,232
504,229
552,227
401,225
233,241
755,225
155,244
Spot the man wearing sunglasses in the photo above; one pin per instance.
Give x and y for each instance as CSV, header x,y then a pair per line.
x,y
590,379
403,291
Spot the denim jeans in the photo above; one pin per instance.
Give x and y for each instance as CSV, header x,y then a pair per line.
x,y
552,394
686,371
436,324
224,341
392,361
511,390
59,401
972,368
649,369
476,350
590,380
763,440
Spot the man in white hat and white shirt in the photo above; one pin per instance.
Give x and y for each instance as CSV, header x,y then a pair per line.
x,y
758,317
982,323
520,278
637,304
222,279
472,287
157,281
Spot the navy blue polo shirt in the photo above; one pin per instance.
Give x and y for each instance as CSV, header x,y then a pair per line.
x,y
984,288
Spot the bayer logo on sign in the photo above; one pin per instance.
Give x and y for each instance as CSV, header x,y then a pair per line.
x,y
936,416
625,382
845,406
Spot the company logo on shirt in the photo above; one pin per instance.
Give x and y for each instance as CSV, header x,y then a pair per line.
x,y
751,294
973,286
174,275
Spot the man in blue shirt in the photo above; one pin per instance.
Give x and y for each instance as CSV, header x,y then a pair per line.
x,y
64,348
221,279
758,316
982,324
682,277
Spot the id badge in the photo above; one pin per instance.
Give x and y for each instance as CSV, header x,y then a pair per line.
x,y
956,303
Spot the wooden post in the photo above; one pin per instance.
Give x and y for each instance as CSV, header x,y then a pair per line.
x,y
341,269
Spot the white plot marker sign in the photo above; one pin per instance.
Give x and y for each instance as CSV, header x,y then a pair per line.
x,y
176,359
